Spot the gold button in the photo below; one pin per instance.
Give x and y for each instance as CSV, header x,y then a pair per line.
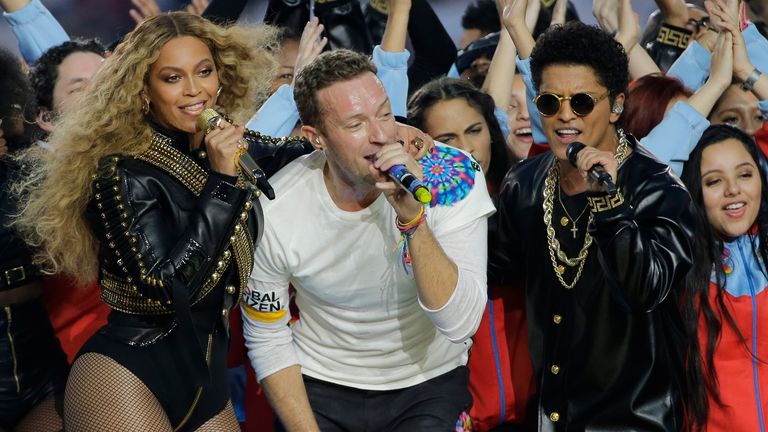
x,y
555,369
202,154
225,312
557,319
231,289
554,416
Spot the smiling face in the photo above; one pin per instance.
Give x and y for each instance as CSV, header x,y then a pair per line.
x,y
182,83
456,123
520,138
596,129
358,121
731,188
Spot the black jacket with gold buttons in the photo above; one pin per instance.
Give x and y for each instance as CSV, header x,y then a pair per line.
x,y
175,237
604,352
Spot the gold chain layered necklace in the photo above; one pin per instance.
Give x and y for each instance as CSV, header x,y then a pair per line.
x,y
565,220
551,183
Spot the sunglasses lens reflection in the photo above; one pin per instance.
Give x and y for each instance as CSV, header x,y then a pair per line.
x,y
582,104
548,104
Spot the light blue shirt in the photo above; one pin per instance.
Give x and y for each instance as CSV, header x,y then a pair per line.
x,y
692,67
675,137
279,114
36,30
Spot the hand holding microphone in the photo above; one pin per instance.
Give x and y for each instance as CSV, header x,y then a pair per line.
x,y
408,194
599,166
209,122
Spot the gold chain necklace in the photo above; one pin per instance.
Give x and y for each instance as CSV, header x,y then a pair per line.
x,y
565,220
555,254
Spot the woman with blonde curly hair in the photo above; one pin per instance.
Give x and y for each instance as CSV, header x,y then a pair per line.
x,y
136,195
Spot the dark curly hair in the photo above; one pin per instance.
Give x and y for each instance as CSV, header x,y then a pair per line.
x,y
453,88
481,15
17,106
46,70
579,44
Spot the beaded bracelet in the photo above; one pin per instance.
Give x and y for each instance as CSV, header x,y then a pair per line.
x,y
407,231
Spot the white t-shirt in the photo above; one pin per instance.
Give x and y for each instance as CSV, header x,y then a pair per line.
x,y
361,324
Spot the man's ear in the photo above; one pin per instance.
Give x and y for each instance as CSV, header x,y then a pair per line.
x,y
313,135
617,108
44,120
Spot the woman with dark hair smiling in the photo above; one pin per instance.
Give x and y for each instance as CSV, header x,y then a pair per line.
x,y
727,288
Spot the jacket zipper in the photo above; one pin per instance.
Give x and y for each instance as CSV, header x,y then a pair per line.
x,y
199,390
13,350
755,372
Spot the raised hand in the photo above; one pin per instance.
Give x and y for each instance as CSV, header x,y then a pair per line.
x,y
558,13
144,9
519,18
607,14
629,26
197,7
721,69
310,45
722,15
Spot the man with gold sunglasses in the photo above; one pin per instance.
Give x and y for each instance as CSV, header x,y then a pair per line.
x,y
601,272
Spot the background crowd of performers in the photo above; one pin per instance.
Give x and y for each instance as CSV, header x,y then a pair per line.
x,y
147,284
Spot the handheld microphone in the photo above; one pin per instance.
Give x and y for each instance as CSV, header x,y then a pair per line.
x,y
210,119
400,174
596,173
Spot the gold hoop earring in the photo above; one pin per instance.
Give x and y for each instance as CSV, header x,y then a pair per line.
x,y
218,92
145,106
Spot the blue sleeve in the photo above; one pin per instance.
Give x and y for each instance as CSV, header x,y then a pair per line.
x,y
763,105
757,48
692,67
524,66
392,70
453,72
673,140
503,118
278,116
36,30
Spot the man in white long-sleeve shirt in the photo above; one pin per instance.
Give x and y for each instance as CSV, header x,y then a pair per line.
x,y
384,328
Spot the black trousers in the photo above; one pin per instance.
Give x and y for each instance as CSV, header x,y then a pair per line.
x,y
434,405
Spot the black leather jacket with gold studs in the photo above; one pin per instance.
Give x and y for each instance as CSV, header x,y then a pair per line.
x,y
176,237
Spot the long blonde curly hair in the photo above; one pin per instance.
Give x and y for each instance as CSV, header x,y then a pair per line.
x,y
56,189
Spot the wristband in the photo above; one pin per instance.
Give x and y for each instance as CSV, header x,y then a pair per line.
x,y
749,83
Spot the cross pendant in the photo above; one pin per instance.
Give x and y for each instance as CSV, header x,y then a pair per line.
x,y
574,230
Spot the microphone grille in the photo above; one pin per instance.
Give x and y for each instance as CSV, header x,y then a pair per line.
x,y
204,121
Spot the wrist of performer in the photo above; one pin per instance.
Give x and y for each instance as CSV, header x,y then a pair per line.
x,y
407,229
604,205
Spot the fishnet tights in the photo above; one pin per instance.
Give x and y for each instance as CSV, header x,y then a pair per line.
x,y
44,417
102,395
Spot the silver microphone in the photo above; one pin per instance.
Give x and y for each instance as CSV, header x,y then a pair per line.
x,y
209,119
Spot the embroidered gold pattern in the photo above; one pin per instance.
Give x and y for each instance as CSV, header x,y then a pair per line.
x,y
673,37
169,159
606,202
